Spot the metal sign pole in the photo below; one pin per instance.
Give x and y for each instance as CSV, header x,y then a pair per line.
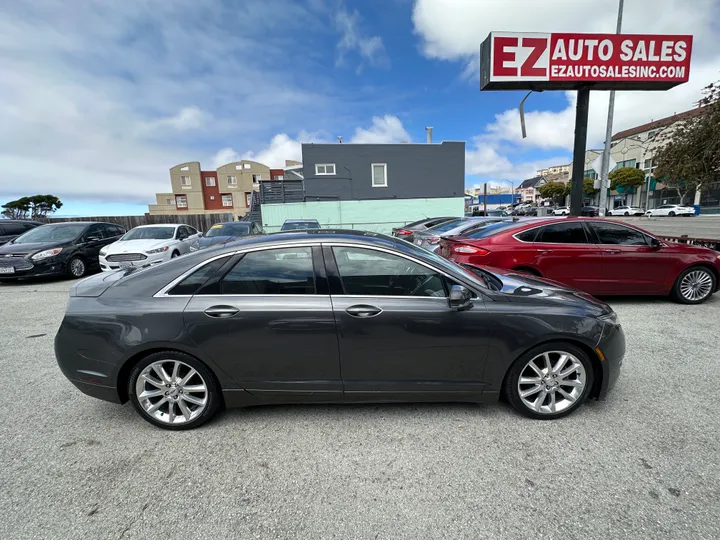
x,y
578,170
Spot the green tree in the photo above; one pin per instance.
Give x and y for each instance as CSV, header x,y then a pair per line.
x,y
552,190
627,177
37,206
588,187
690,157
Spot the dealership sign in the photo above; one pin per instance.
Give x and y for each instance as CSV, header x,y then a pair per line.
x,y
533,61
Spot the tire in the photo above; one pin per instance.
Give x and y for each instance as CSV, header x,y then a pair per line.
x,y
582,378
186,414
76,267
671,214
694,285
174,254
627,213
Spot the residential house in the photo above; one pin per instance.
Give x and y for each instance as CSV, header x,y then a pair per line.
x,y
528,189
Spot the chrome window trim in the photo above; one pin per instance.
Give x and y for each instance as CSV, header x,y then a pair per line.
x,y
589,243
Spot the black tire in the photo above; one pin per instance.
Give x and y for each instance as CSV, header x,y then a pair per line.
x,y
627,213
511,388
214,397
709,277
76,267
671,214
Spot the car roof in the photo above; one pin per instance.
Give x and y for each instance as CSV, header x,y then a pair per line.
x,y
315,235
162,225
302,220
20,221
66,223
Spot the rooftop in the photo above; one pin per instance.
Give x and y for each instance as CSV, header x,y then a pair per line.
x,y
657,124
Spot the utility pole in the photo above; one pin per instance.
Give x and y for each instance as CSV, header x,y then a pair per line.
x,y
604,184
581,118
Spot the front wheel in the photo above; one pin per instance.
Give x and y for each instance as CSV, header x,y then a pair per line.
x,y
694,285
671,214
549,381
173,390
76,267
627,213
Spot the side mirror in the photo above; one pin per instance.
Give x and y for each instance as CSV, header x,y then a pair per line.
x,y
200,235
92,239
655,243
460,298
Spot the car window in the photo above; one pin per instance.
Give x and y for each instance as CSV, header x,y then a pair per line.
x,y
12,229
527,236
191,230
611,233
272,271
444,227
367,272
562,233
97,231
191,284
494,229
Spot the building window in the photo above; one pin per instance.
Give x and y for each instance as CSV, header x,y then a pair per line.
x,y
628,163
210,181
181,201
185,181
379,175
651,134
256,178
232,181
324,168
238,167
212,197
185,168
227,200
168,201
248,198
278,177
247,166
590,173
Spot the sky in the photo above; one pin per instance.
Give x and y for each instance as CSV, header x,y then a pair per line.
x,y
99,99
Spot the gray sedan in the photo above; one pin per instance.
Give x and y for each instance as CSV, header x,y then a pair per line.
x,y
332,316
430,238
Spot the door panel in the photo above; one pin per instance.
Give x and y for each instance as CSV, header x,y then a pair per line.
x,y
273,344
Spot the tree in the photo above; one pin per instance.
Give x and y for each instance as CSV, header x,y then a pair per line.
x,y
690,157
38,206
552,190
626,178
588,187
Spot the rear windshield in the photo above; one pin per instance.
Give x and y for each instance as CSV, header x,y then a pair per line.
x,y
296,225
444,227
229,229
495,228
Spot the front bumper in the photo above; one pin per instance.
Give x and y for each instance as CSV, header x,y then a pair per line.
x,y
21,267
111,266
612,347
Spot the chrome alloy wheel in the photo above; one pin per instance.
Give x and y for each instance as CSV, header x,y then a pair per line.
x,y
551,382
696,285
77,267
171,392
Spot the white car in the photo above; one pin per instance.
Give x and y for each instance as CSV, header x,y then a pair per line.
x,y
148,244
626,211
671,210
561,211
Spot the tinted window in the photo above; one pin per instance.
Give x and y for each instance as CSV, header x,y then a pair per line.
x,y
229,229
494,229
12,229
272,271
562,233
300,225
368,272
443,227
527,236
197,279
610,233
96,231
51,233
190,230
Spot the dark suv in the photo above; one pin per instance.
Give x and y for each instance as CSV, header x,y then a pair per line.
x,y
12,228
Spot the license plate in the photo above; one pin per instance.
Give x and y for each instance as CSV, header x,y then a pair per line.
x,y
125,265
7,270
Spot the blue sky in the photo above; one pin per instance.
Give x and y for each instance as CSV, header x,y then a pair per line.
x,y
98,100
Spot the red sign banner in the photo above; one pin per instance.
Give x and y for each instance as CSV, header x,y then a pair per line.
x,y
534,61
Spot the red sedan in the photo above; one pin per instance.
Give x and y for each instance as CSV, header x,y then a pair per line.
x,y
598,256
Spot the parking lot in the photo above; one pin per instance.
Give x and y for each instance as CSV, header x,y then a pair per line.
x,y
643,464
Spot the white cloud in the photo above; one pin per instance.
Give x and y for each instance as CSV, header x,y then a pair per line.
x,y
369,48
384,129
485,158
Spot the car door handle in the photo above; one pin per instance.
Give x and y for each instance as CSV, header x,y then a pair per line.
x,y
363,311
612,251
221,312
544,250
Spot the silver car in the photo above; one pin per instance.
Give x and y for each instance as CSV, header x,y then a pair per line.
x,y
430,238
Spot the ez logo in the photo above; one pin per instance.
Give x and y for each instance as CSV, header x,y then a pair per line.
x,y
509,51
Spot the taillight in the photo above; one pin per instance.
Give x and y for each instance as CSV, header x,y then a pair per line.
x,y
470,249
433,240
403,232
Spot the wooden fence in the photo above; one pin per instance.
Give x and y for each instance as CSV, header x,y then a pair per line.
x,y
202,222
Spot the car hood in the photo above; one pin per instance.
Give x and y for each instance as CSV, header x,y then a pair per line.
x,y
524,288
27,249
135,246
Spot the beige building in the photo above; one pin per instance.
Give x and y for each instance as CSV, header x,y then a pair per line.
x,y
225,190
560,170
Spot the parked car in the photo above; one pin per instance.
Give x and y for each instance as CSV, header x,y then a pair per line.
x,y
224,232
406,232
365,318
590,211
69,248
299,224
671,210
12,228
430,238
626,211
598,256
148,244
561,211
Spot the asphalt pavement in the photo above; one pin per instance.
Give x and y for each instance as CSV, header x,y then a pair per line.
x,y
645,464
697,226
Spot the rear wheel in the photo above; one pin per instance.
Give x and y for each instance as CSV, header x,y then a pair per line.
x,y
627,213
76,267
671,214
549,381
694,285
173,390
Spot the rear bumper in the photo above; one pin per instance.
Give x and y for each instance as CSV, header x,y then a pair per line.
x,y
106,393
612,347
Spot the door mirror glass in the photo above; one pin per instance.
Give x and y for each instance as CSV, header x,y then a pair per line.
x,y
460,298
655,243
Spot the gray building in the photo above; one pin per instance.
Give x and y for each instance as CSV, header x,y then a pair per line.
x,y
383,171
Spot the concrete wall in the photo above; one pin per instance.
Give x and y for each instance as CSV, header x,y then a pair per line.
x,y
413,170
370,215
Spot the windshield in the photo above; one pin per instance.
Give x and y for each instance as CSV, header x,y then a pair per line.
x,y
444,227
295,225
50,233
495,228
229,229
150,233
